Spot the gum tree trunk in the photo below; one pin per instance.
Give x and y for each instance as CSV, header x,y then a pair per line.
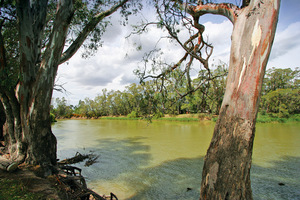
x,y
38,76
226,171
28,136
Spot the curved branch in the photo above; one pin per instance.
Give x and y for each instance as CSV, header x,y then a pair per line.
x,y
225,9
86,31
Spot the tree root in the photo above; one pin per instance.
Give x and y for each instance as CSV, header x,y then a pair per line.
x,y
73,184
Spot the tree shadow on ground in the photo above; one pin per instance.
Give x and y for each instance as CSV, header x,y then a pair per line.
x,y
129,161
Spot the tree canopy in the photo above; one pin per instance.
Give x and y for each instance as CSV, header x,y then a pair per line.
x,y
35,38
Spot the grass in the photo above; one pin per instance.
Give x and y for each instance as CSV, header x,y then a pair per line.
x,y
121,118
294,118
265,118
15,190
183,119
261,118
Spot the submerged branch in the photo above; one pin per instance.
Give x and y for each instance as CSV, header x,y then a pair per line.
x,y
92,158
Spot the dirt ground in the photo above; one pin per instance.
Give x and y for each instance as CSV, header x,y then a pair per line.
x,y
33,183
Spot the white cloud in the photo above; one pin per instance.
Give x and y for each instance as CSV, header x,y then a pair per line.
x,y
112,66
285,50
219,34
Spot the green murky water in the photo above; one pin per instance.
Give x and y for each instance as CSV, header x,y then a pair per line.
x,y
162,159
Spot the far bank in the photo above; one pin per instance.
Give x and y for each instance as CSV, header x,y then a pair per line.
x,y
261,118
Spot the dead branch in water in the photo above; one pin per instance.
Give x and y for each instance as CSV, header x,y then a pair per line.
x,y
73,183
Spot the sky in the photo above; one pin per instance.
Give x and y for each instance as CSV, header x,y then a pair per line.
x,y
113,65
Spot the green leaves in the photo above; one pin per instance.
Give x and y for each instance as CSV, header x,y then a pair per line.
x,y
284,101
276,78
281,92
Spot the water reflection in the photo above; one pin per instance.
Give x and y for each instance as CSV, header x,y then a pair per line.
x,y
161,161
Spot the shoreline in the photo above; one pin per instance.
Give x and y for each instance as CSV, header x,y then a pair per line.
x,y
261,118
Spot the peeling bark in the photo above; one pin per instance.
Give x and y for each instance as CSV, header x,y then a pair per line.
x,y
226,171
36,86
228,10
28,136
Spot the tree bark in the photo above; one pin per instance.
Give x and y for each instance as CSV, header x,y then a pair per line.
x,y
226,171
38,76
7,165
2,122
28,137
13,134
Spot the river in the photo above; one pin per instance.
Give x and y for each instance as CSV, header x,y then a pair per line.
x,y
160,160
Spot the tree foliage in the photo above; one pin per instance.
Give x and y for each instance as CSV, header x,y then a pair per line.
x,y
35,38
276,78
140,100
281,92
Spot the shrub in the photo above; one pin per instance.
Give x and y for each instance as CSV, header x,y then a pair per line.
x,y
283,111
201,116
263,112
158,115
133,114
214,119
52,118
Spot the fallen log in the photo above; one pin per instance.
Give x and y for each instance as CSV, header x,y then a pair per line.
x,y
76,159
7,165
73,183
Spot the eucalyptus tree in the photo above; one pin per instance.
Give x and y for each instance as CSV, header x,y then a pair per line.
x,y
62,109
102,104
281,79
226,171
35,38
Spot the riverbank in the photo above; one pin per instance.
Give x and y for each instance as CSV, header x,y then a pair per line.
x,y
27,182
261,118
24,184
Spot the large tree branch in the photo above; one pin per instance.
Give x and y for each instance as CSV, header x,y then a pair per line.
x,y
31,17
49,63
225,9
86,31
197,48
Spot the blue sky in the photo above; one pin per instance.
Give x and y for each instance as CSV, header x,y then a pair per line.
x,y
112,66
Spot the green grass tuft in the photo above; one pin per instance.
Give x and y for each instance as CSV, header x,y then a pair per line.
x,y
15,190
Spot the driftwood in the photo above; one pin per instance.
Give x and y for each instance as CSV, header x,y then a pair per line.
x,y
92,159
74,184
76,159
79,158
7,165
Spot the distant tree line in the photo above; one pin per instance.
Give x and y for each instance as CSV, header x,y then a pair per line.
x,y
280,97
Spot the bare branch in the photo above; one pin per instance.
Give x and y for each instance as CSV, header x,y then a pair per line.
x,y
170,69
60,88
142,28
